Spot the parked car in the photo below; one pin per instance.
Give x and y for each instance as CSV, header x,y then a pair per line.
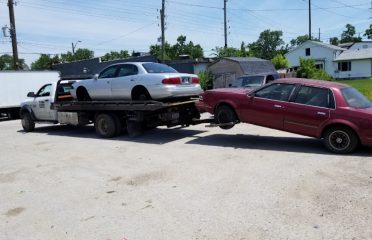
x,y
253,81
336,113
137,81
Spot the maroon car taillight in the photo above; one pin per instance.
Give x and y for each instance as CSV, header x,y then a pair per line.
x,y
195,80
175,80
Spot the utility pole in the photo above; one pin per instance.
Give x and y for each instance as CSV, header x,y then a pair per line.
x,y
74,46
162,22
319,34
13,34
225,21
309,19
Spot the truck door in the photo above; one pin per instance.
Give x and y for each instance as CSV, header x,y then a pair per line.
x,y
42,103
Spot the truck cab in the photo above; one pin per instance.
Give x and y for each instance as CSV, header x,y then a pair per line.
x,y
37,106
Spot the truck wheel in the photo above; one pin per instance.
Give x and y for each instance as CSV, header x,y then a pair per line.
x,y
225,114
28,123
118,124
105,125
340,140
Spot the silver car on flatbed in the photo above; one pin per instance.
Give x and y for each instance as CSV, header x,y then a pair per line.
x,y
137,81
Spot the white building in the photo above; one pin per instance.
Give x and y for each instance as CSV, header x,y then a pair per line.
x,y
355,62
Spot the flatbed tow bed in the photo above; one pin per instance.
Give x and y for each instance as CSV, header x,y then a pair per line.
x,y
111,118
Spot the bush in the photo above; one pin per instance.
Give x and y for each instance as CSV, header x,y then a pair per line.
x,y
280,62
206,80
308,70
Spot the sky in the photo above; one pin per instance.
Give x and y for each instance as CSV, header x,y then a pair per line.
x,y
50,26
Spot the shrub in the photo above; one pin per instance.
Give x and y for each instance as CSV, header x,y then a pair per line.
x,y
206,80
308,70
280,62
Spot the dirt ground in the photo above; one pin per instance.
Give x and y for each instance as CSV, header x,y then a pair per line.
x,y
246,183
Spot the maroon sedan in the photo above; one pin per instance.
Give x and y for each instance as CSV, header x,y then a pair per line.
x,y
335,112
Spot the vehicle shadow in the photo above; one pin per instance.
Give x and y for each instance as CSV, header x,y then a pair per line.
x,y
281,144
155,136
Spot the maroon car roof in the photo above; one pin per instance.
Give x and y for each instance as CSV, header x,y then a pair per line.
x,y
312,82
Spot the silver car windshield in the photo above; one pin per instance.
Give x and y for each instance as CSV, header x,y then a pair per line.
x,y
158,68
248,81
355,99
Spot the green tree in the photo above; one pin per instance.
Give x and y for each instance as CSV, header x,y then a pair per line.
x,y
45,61
113,55
348,35
334,41
368,32
221,52
6,63
206,80
308,70
173,52
269,44
280,62
299,40
80,54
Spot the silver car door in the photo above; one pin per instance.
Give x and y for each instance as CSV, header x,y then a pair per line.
x,y
100,89
126,79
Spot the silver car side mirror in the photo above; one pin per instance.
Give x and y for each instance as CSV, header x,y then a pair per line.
x,y
95,77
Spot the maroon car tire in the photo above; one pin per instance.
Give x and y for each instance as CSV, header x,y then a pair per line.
x,y
341,140
225,114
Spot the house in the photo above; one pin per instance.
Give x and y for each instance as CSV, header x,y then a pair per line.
x,y
346,62
228,69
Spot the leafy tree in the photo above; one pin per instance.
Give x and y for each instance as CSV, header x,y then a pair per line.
x,y
368,32
308,70
206,80
334,41
280,62
173,52
232,52
45,62
348,35
269,44
299,40
113,55
6,63
80,54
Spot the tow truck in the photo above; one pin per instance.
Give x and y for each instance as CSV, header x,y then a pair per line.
x,y
54,104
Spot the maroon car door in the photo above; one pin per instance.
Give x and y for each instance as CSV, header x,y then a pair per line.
x,y
266,106
309,110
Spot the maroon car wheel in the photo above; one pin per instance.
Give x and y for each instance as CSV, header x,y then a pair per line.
x,y
225,114
340,140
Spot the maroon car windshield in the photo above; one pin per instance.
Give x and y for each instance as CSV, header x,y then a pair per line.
x,y
355,99
158,68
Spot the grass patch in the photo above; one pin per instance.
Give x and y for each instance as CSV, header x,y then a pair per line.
x,y
363,85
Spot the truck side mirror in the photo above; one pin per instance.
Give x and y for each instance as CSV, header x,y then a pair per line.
x,y
31,94
95,76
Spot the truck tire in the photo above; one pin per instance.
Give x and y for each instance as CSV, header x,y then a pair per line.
x,y
118,124
105,125
225,114
341,140
28,123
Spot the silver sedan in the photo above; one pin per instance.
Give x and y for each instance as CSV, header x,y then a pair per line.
x,y
137,81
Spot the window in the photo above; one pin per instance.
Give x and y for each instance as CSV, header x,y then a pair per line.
x,y
344,66
355,99
127,70
248,81
307,51
313,96
158,68
108,72
44,91
280,92
319,66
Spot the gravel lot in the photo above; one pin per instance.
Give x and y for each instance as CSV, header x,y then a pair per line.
x,y
194,183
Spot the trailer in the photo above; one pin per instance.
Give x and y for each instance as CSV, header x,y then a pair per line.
x,y
14,85
54,104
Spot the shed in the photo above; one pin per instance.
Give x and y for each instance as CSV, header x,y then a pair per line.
x,y
227,69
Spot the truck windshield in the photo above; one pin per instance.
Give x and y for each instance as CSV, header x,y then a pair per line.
x,y
355,99
158,68
248,81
